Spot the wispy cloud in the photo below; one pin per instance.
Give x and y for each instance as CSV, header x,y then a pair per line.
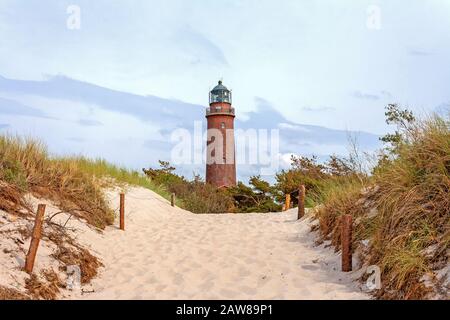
x,y
318,109
199,48
420,53
295,127
157,144
76,139
147,108
12,107
89,123
386,94
365,96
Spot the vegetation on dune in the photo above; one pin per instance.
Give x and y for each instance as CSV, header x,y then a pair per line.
x,y
317,177
414,207
75,184
199,197
402,208
258,196
195,195
111,175
12,294
25,166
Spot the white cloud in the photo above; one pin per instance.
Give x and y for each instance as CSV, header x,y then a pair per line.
x,y
294,53
293,127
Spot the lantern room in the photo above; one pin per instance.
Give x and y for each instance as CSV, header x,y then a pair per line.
x,y
220,93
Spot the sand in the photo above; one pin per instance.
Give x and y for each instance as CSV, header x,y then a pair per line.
x,y
169,253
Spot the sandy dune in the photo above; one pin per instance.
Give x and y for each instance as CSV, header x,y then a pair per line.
x,y
168,253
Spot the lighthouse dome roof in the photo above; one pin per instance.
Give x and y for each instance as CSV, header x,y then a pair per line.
x,y
219,87
220,93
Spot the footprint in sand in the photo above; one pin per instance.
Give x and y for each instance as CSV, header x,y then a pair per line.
x,y
263,280
309,267
249,261
248,290
243,272
178,279
128,255
150,280
207,285
228,293
195,265
205,252
305,292
128,265
206,274
298,283
160,287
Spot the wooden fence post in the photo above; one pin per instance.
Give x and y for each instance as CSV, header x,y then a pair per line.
x,y
122,211
35,238
172,199
287,203
301,201
346,240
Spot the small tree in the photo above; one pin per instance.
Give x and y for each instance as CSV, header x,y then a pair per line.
x,y
257,197
404,121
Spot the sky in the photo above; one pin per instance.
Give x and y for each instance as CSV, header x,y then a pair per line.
x,y
328,63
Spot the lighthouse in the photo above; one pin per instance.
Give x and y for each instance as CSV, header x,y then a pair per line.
x,y
220,156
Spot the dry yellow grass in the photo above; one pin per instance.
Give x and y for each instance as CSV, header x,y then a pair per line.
x,y
12,294
409,225
25,166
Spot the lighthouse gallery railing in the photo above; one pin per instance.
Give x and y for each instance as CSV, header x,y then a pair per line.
x,y
215,110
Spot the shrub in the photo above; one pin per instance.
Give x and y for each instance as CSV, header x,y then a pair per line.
x,y
259,196
402,209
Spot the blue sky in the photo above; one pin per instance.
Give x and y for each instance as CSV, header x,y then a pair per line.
x,y
315,62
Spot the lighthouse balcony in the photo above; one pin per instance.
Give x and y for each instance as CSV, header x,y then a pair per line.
x,y
219,110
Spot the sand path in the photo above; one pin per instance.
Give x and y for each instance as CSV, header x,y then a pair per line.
x,y
168,253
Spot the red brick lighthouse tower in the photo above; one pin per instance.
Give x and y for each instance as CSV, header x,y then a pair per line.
x,y
220,157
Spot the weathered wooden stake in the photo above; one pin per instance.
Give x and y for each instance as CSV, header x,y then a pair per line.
x,y
301,201
122,211
172,199
287,202
346,240
35,238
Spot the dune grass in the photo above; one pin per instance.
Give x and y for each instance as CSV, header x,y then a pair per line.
x,y
414,205
26,167
12,294
104,170
403,209
74,183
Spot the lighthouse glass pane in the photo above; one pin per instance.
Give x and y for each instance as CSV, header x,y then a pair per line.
x,y
223,96
214,98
